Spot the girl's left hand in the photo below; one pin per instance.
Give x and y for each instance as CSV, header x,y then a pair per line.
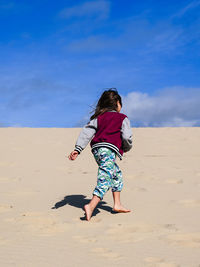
x,y
73,155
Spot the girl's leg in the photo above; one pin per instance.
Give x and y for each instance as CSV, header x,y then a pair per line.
x,y
102,157
117,204
117,185
89,208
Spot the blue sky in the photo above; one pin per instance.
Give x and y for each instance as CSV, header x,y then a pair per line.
x,y
57,57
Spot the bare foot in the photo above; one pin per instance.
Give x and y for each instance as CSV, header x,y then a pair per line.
x,y
121,209
88,212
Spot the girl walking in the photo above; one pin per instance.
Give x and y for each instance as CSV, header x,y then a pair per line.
x,y
110,134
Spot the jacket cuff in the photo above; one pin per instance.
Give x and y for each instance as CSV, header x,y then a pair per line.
x,y
78,149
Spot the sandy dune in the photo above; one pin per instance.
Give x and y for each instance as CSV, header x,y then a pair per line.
x,y
42,195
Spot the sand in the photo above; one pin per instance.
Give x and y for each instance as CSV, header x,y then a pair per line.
x,y
42,195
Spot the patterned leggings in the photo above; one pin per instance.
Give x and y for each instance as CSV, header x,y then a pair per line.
x,y
109,174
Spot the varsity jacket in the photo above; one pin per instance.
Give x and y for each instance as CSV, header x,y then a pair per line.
x,y
110,129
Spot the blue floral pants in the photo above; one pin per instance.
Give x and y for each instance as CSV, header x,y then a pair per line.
x,y
109,174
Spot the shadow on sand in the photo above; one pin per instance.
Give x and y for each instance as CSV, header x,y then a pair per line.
x,y
79,201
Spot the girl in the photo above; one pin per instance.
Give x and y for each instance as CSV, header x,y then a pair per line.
x,y
110,134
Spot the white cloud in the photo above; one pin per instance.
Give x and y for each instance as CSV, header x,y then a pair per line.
x,y
185,9
99,9
168,40
173,107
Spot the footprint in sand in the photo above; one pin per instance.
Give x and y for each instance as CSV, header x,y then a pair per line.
x,y
7,179
190,202
5,208
130,233
174,181
191,240
85,239
7,164
107,253
41,224
140,189
170,226
158,262
153,260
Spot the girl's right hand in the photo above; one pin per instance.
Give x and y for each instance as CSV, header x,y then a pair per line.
x,y
73,155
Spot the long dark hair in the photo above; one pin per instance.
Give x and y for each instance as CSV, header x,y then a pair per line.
x,y
107,102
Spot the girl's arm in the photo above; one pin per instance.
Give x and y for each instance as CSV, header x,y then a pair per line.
x,y
126,135
84,138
